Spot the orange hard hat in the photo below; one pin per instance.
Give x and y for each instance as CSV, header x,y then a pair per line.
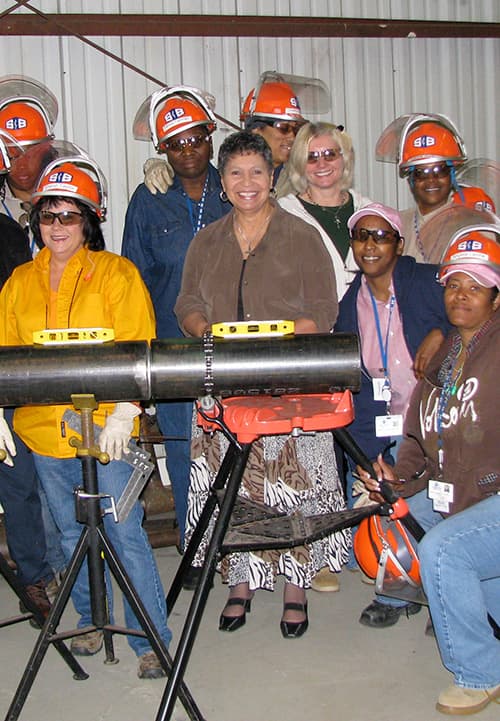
x,y
380,538
76,178
26,122
176,109
475,251
275,100
431,142
475,198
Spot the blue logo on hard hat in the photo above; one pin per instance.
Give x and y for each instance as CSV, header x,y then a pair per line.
x,y
424,141
470,244
16,124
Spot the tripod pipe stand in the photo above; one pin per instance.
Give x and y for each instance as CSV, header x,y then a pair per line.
x,y
94,545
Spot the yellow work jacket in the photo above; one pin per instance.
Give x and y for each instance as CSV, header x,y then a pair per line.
x,y
97,289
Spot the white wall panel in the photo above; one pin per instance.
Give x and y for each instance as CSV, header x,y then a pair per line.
x,y
370,80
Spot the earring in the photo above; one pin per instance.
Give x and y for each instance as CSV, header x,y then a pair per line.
x,y
223,196
272,192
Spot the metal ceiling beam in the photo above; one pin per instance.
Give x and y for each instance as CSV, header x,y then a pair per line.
x,y
165,25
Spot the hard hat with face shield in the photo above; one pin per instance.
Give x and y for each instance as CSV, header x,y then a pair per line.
x,y
170,111
421,139
28,110
283,97
78,178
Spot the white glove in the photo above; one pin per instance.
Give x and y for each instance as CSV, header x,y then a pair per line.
x,y
117,430
6,440
158,175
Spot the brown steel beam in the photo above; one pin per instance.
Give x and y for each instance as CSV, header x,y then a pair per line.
x,y
113,24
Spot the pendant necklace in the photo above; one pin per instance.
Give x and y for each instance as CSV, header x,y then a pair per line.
x,y
332,210
258,235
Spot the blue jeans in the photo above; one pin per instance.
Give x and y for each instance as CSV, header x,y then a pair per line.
x,y
174,421
23,514
421,508
54,555
59,477
460,569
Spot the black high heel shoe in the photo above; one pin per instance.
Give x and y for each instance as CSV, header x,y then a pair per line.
x,y
233,623
294,630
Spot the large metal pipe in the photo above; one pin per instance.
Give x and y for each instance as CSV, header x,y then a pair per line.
x,y
179,368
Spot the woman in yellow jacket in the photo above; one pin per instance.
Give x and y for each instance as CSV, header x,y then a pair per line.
x,y
74,283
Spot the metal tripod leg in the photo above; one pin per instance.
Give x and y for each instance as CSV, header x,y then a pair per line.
x,y
239,459
78,673
201,526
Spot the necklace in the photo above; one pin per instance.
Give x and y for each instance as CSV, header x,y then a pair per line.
x,y
251,244
331,209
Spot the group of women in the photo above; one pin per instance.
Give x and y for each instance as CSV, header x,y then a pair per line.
x,y
292,260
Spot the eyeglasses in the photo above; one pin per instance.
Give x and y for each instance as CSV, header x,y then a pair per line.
x,y
330,154
65,217
284,127
181,144
379,236
435,171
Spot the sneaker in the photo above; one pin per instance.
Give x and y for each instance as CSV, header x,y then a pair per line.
x,y
325,581
87,644
381,615
150,666
460,701
37,593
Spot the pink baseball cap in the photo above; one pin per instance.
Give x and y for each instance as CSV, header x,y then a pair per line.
x,y
482,274
390,215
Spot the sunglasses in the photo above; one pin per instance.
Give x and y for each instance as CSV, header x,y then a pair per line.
x,y
181,144
380,237
435,171
330,154
65,217
283,126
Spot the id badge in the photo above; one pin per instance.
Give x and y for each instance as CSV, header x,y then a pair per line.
x,y
381,390
441,495
389,425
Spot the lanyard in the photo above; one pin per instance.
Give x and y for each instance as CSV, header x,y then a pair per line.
x,y
196,222
384,347
449,389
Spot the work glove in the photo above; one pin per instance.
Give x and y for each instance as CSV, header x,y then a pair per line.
x,y
117,430
158,175
6,440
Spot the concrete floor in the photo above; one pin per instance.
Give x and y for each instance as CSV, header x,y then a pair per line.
x,y
338,671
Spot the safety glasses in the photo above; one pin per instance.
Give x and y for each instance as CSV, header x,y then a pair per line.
x,y
65,217
441,170
283,126
330,154
179,145
361,235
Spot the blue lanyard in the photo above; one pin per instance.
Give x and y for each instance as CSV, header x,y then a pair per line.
x,y
384,347
196,223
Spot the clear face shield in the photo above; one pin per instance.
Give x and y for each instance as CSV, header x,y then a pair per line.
x,y
390,145
144,125
438,232
312,94
71,153
23,89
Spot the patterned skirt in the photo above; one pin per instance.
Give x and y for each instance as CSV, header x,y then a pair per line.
x,y
289,474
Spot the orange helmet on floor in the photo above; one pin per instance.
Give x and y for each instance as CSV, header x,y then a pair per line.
x,y
77,178
382,540
431,142
274,100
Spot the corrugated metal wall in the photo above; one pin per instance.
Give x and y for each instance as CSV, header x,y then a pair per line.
x,y
371,80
